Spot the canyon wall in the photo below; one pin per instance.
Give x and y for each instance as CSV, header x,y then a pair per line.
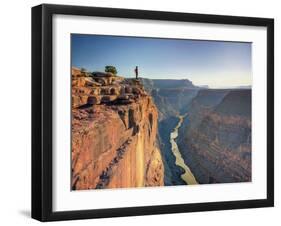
x,y
216,140
172,98
114,145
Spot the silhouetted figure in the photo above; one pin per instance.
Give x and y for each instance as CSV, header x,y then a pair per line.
x,y
137,72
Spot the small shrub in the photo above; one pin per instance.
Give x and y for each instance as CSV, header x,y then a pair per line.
x,y
111,69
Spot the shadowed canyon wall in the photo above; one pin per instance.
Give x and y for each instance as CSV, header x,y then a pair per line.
x,y
216,140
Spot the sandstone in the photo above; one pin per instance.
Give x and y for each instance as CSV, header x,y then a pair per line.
x,y
136,90
75,72
114,144
101,81
81,82
74,82
122,90
105,154
83,100
81,90
108,98
96,91
106,90
91,83
75,101
128,89
113,91
123,97
93,100
78,101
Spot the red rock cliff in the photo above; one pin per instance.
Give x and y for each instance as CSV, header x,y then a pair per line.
x,y
114,144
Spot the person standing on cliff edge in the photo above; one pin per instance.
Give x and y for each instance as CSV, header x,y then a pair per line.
x,y
137,72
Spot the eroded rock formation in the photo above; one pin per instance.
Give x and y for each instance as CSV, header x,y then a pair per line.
x,y
114,128
216,142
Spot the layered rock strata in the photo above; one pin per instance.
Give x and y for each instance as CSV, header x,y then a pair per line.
x,y
114,128
216,142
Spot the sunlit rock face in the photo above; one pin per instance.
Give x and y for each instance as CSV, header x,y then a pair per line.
x,y
114,130
216,142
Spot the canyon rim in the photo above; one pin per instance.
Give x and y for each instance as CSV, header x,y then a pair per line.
x,y
152,112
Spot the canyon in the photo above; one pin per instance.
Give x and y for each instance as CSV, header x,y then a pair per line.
x,y
172,98
156,132
214,138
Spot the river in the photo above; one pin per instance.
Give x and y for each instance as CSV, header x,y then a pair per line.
x,y
187,176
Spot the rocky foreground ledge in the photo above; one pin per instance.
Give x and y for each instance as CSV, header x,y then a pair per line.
x,y
114,128
104,88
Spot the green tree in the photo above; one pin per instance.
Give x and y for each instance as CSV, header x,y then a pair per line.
x,y
111,69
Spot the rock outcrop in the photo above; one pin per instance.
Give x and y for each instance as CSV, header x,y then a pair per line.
x,y
114,129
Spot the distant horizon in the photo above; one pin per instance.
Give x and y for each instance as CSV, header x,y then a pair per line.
x,y
216,64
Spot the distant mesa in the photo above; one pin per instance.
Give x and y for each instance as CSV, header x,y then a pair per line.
x,y
244,87
204,87
168,83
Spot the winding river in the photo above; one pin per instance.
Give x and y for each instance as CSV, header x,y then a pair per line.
x,y
187,176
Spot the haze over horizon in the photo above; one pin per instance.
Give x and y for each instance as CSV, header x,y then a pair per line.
x,y
217,64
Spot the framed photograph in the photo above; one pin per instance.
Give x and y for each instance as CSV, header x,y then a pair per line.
x,y
145,112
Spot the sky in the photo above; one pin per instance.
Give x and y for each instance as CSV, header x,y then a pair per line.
x,y
217,64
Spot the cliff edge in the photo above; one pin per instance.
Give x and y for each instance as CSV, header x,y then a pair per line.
x,y
114,128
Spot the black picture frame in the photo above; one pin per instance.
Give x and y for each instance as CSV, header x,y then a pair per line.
x,y
42,108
